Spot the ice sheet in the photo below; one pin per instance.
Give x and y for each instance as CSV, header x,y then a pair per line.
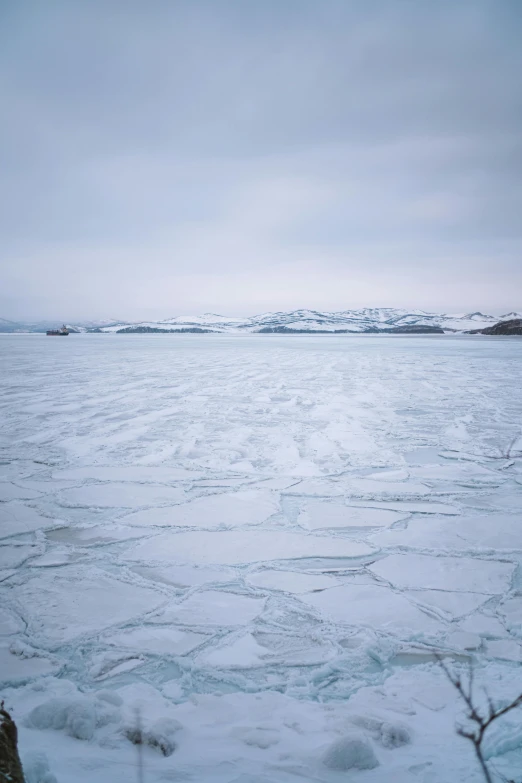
x,y
79,600
373,519
13,556
371,606
250,651
18,668
366,487
231,547
10,491
291,581
227,510
453,604
185,576
120,495
95,535
135,473
492,531
445,573
317,515
158,641
16,518
213,608
10,623
411,507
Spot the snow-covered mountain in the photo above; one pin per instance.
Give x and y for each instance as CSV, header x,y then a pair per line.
x,y
365,320
380,319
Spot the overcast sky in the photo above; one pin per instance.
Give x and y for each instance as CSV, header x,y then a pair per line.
x,y
164,157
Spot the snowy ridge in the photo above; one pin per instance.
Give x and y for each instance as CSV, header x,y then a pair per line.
x,y
356,321
367,319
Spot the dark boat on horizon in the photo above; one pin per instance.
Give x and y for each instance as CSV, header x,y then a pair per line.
x,y
63,332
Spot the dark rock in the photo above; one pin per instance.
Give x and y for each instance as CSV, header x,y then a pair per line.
x,y
10,764
154,330
414,329
505,328
289,330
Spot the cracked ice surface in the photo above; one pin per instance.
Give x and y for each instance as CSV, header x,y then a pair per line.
x,y
259,542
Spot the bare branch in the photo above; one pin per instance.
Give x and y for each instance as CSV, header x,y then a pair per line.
x,y
482,722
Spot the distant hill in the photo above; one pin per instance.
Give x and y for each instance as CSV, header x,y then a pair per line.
x,y
367,320
513,326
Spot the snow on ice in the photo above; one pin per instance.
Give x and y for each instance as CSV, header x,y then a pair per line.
x,y
235,548
245,552
226,510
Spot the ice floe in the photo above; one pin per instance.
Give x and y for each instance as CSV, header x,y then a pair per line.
x,y
16,519
317,515
371,606
120,495
226,510
291,581
492,531
139,474
156,640
10,491
79,600
445,573
235,547
211,608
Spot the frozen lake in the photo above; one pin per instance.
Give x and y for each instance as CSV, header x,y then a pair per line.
x,y
259,542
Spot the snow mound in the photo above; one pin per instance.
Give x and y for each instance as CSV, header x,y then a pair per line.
x,y
350,753
387,733
77,717
36,768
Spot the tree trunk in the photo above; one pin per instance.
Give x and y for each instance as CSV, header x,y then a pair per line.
x,y
10,764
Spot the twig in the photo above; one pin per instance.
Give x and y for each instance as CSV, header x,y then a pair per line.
x,y
482,722
139,746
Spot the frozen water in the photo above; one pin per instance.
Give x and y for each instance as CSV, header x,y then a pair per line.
x,y
366,487
132,473
10,491
366,605
248,651
213,608
316,515
258,542
506,649
453,604
291,581
10,623
411,507
492,531
230,547
184,576
511,610
16,519
120,495
445,573
20,668
151,639
226,510
464,640
484,625
95,535
79,600
12,556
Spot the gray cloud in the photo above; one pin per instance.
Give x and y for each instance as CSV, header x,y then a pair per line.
x,y
243,156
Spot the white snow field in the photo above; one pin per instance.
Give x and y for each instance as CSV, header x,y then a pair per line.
x,y
255,545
